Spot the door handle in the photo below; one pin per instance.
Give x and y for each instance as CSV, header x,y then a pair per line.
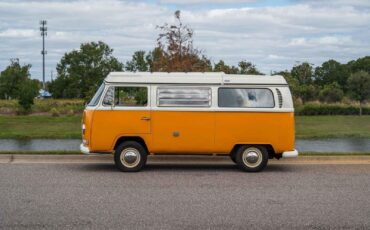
x,y
145,118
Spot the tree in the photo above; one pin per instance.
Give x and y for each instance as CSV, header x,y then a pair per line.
x,y
359,87
248,68
330,72
139,62
29,90
222,67
360,64
80,72
303,73
175,51
11,79
331,93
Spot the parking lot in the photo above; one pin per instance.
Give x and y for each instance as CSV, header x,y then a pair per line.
x,y
213,195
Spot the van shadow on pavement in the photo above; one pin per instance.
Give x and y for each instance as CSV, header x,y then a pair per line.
x,y
186,167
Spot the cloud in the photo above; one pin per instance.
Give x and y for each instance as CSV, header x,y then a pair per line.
x,y
18,33
272,37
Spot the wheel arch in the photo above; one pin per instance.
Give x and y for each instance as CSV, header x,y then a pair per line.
x,y
269,148
138,139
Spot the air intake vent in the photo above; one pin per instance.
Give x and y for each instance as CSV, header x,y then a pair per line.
x,y
280,97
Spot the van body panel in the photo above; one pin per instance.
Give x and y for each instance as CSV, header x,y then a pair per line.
x,y
275,129
182,132
110,125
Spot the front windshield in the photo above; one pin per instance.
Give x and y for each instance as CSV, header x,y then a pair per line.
x,y
94,101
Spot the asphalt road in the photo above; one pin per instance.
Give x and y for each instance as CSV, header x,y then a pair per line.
x,y
219,196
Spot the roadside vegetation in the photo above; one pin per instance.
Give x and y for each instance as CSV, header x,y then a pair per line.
x,y
52,107
40,126
307,127
316,127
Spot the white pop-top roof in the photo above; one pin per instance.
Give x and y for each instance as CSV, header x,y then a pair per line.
x,y
218,78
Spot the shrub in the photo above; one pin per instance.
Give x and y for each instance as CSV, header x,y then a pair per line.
x,y
28,91
329,109
54,112
331,93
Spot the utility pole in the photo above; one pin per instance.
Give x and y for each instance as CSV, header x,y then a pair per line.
x,y
43,30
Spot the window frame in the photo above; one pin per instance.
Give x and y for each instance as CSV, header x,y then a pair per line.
x,y
235,107
208,88
96,97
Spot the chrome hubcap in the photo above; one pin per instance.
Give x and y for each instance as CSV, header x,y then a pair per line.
x,y
130,157
252,157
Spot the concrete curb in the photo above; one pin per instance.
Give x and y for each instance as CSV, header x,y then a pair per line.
x,y
173,159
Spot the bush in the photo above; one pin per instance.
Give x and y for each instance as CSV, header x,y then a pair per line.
x,y
330,109
54,112
331,93
28,91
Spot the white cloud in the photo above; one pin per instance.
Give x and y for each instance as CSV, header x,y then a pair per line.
x,y
18,33
273,38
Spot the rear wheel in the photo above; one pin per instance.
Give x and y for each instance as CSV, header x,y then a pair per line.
x,y
251,158
130,156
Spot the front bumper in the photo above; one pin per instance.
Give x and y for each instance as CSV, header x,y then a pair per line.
x,y
289,154
84,149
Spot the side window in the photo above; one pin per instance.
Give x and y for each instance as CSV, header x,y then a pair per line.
x,y
245,98
184,96
126,96
109,96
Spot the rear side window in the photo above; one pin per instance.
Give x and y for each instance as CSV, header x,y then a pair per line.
x,y
184,96
245,98
126,96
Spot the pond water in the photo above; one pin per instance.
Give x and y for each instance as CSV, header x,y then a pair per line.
x,y
322,145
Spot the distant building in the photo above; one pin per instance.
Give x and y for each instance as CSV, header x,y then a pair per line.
x,y
44,94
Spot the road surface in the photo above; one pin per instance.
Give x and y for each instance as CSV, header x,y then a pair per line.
x,y
168,196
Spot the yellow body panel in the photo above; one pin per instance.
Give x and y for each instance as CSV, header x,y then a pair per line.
x,y
190,131
275,129
109,125
182,132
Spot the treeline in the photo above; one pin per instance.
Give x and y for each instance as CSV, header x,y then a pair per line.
x,y
80,72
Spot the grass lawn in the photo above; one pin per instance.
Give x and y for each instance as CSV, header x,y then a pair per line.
x,y
43,126
40,126
332,126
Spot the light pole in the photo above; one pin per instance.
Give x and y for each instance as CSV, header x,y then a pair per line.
x,y
43,30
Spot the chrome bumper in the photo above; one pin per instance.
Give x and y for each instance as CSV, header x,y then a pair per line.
x,y
84,149
289,154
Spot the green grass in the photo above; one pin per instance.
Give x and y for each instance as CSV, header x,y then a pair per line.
x,y
311,127
43,126
23,127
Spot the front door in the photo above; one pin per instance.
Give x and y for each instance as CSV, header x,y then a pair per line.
x,y
125,111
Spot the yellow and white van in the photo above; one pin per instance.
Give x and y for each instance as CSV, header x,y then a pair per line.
x,y
250,118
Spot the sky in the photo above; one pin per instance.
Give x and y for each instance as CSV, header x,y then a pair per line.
x,y
273,35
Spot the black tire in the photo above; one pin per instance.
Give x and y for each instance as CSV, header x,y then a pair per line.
x,y
258,154
136,151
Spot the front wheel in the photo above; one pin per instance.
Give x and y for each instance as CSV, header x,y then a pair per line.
x,y
252,158
130,156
